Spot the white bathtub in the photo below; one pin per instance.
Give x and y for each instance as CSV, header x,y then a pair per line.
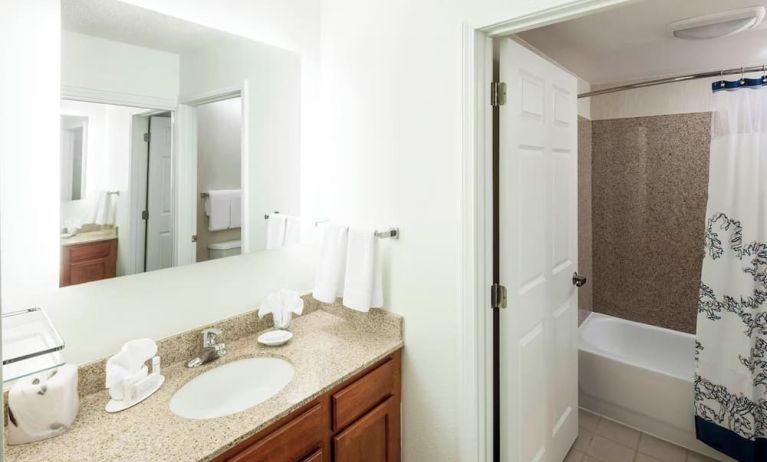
x,y
640,375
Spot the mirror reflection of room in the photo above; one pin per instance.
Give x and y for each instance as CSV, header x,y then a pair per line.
x,y
219,178
113,179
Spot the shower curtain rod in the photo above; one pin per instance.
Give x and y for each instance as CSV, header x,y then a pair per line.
x,y
678,78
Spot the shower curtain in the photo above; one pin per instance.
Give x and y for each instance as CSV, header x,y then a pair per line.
x,y
731,339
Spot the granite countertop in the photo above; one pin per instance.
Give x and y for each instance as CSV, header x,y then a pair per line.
x,y
90,236
327,348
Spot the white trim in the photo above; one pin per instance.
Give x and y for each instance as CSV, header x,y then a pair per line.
x,y
137,169
561,13
186,137
213,95
90,95
185,185
476,216
245,234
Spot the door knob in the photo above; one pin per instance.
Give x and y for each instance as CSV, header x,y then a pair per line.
x,y
578,280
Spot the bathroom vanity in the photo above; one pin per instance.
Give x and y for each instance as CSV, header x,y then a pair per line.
x,y
89,256
358,420
342,404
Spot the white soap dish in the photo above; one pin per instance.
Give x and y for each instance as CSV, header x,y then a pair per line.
x,y
275,337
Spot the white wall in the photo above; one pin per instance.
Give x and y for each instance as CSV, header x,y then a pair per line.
x,y
272,117
104,65
29,156
391,87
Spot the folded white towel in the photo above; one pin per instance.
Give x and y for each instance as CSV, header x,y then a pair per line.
x,y
292,230
328,283
281,304
43,405
235,211
106,209
275,231
218,207
362,283
128,364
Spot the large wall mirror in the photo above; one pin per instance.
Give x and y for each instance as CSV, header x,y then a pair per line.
x,y
177,141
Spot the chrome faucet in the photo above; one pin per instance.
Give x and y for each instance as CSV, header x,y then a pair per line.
x,y
211,348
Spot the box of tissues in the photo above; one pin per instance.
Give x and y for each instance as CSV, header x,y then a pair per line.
x,y
42,405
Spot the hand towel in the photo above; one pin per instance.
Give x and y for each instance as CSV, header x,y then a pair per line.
x,y
275,231
235,211
106,209
218,207
281,304
328,283
43,405
129,362
292,230
362,283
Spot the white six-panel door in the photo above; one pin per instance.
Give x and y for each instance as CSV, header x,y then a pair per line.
x,y
538,255
159,239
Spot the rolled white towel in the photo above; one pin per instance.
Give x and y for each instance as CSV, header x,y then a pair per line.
x,y
128,363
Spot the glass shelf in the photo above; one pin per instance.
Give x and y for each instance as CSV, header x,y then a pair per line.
x,y
31,344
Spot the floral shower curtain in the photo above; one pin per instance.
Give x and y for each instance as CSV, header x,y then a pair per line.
x,y
731,344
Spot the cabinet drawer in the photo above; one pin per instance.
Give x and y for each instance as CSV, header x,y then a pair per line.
x,y
290,443
90,251
363,395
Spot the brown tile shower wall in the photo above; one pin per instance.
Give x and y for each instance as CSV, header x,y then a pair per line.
x,y
649,184
585,267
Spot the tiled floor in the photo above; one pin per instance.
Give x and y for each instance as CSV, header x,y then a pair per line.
x,y
602,440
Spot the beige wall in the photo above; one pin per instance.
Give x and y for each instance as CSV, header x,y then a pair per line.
x,y
219,128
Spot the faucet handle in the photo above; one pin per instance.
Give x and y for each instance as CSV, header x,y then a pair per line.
x,y
210,337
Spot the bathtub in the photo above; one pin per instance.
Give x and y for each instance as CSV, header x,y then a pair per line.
x,y
639,375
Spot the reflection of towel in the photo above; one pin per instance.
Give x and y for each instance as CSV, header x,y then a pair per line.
x,y
275,231
292,231
328,283
106,209
43,405
362,284
218,207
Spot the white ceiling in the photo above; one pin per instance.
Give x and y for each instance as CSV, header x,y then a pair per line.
x,y
121,22
633,42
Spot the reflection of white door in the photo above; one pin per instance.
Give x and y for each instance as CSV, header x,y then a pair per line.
x,y
538,255
159,236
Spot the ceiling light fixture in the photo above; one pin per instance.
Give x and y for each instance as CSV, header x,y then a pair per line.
x,y
718,25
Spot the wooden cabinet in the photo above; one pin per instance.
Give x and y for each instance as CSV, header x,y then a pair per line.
x,y
357,421
373,438
86,262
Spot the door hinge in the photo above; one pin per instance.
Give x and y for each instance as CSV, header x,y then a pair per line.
x,y
145,214
194,238
147,136
497,296
497,94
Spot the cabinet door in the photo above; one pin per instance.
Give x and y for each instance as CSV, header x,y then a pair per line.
x,y
291,443
373,438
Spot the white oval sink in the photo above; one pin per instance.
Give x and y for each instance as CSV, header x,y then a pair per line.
x,y
231,388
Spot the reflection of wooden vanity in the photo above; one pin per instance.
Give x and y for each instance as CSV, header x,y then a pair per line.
x,y
89,256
